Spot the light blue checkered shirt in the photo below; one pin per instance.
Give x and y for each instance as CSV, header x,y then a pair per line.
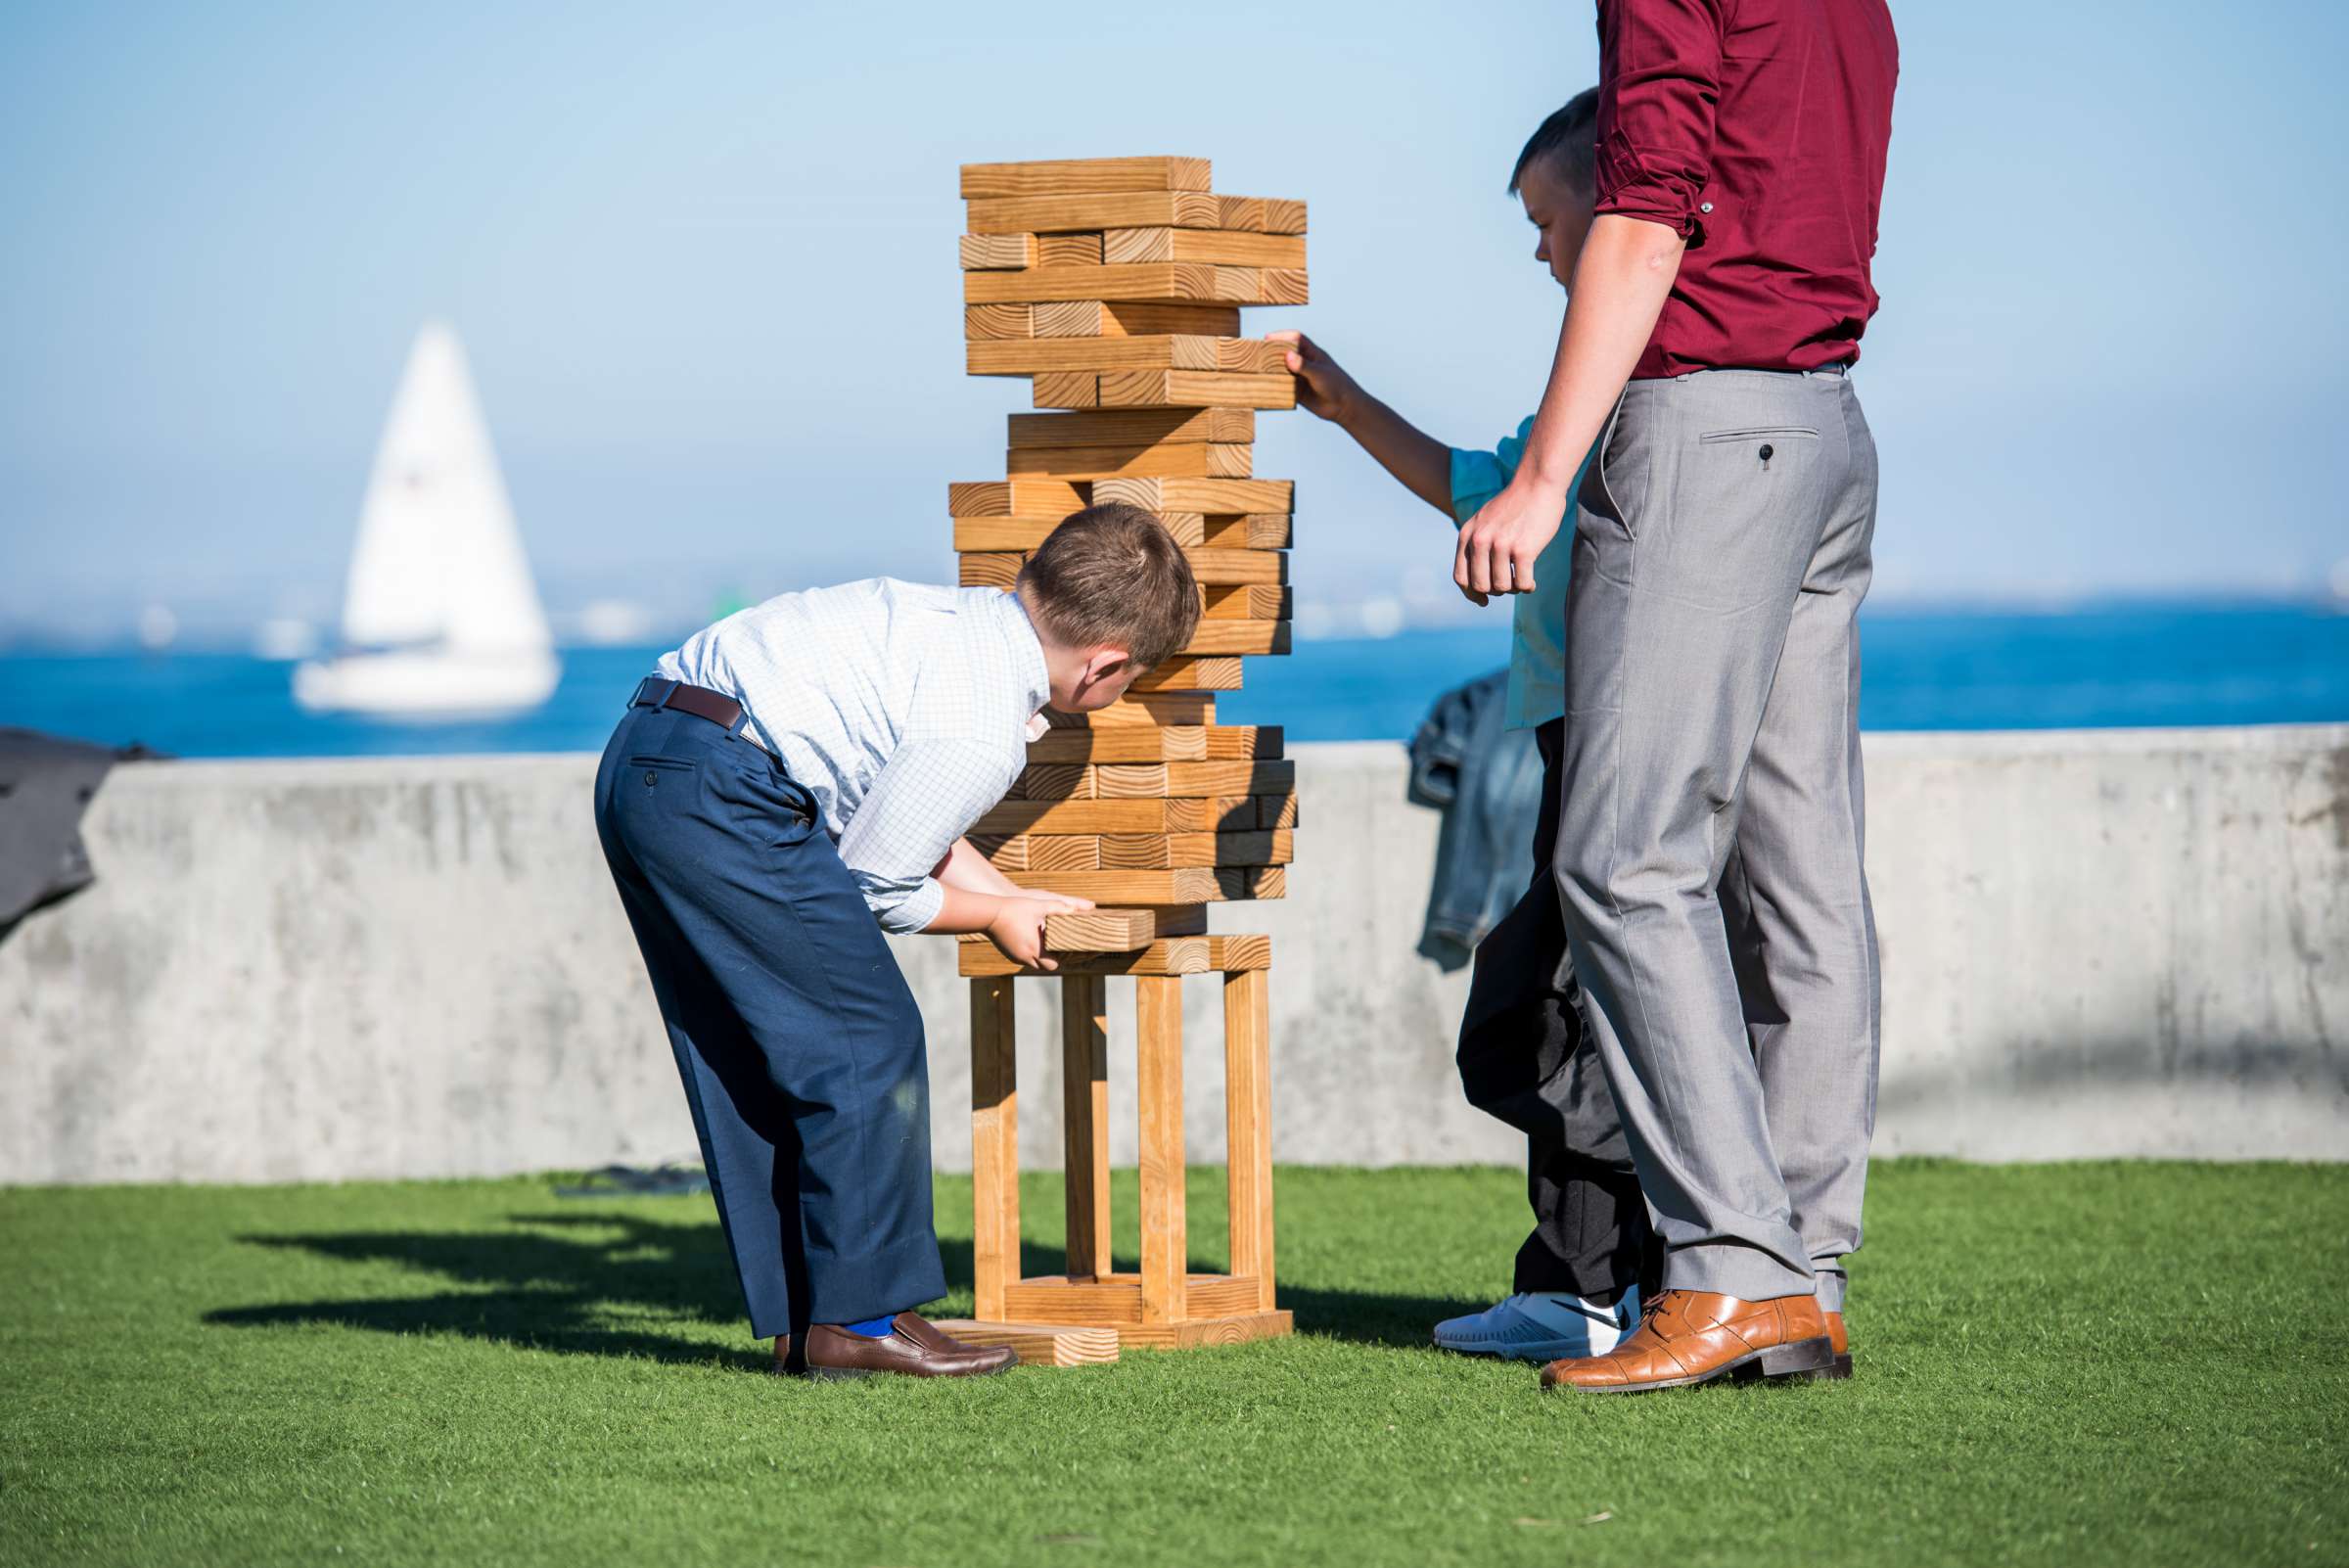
x,y
902,707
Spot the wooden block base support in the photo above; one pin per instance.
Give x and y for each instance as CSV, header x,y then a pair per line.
x,y
1042,1344
1164,1305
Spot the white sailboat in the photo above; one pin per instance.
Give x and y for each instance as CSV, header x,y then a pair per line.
x,y
440,617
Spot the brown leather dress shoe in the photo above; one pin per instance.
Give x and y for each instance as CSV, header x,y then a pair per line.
x,y
913,1349
1842,1346
1692,1336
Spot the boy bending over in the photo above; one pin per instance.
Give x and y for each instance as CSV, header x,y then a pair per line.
x,y
794,781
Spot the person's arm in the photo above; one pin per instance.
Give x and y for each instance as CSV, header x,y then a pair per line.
x,y
1422,462
965,867
902,832
1659,82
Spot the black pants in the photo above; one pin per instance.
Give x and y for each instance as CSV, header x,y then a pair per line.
x,y
1524,1061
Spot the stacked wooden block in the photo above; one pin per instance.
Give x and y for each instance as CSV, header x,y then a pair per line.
x,y
1116,285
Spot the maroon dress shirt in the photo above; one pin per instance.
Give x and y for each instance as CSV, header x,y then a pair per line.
x,y
1755,129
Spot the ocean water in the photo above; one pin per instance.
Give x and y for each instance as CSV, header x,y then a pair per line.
x,y
2120,667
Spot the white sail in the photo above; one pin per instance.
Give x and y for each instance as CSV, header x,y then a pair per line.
x,y
439,608
438,557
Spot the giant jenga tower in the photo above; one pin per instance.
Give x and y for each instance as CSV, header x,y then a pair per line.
x,y
1117,284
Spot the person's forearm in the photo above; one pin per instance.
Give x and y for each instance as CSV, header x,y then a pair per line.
x,y
1420,462
1620,286
965,911
965,867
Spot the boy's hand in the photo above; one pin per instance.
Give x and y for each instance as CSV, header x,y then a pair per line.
x,y
1018,928
1323,387
1498,546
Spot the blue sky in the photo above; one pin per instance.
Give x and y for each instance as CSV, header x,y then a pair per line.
x,y
703,257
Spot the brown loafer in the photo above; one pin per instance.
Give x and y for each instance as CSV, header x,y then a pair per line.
x,y
1841,1345
1692,1336
913,1348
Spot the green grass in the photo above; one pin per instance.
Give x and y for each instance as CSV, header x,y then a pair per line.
x,y
2125,1364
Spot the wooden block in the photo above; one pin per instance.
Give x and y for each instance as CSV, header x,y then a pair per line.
x,y
1200,461
1172,708
1101,930
1074,816
1158,1091
1061,176
1026,497
991,253
987,570
1239,883
1248,531
1168,955
1057,783
1120,743
1169,281
1195,389
1206,1333
1039,1344
1068,389
1096,211
1143,781
1247,602
1273,285
1182,674
1029,356
1084,1121
1209,814
1241,950
1244,213
1135,318
1248,1125
1217,496
1191,529
1219,567
995,1146
1223,246
1129,427
1180,851
1276,811
1059,851
998,321
1085,251
1282,216
1238,637
1250,742
1184,885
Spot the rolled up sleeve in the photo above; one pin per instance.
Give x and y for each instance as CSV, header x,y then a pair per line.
x,y
1659,85
926,797
1478,477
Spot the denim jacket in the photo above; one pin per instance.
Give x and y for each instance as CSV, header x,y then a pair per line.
x,y
1486,778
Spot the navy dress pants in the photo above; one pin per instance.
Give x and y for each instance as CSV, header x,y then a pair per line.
x,y
798,1039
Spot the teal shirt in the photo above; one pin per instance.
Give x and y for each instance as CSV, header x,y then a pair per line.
x,y
1537,641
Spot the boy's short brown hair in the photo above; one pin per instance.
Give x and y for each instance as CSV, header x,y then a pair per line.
x,y
1113,575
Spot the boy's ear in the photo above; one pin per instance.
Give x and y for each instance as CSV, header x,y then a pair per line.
x,y
1105,661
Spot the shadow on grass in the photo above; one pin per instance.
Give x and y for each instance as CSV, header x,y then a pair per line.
x,y
557,1280
554,1285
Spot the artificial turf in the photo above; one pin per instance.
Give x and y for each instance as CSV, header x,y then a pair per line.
x,y
2085,1364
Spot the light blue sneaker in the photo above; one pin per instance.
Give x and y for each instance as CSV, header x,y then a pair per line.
x,y
1541,1327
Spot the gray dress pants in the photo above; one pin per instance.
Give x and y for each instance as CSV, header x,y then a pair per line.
x,y
1709,852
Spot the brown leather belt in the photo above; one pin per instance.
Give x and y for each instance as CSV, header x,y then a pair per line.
x,y
699,700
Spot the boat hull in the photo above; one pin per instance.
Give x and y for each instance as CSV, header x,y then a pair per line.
x,y
424,685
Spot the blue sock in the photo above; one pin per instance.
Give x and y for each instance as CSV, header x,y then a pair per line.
x,y
874,1327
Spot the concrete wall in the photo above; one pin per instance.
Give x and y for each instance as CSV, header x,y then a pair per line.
x,y
2114,944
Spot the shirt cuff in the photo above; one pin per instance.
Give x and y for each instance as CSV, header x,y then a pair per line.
x,y
1476,478
915,910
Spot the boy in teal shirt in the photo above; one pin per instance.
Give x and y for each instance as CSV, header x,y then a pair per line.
x,y
1521,1059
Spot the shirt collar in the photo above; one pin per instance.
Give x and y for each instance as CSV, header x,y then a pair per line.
x,y
1027,653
